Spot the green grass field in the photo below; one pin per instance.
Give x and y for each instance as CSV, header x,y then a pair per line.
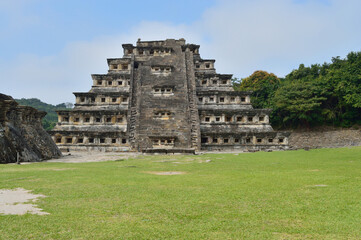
x,y
280,195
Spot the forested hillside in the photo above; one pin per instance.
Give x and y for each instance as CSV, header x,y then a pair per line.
x,y
51,118
327,94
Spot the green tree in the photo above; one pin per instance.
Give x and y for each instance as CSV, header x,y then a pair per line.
x,y
263,85
345,75
327,94
298,103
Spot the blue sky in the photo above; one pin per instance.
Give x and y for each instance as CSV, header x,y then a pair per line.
x,y
48,48
44,27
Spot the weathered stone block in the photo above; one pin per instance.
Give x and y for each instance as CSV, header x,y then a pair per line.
x,y
22,134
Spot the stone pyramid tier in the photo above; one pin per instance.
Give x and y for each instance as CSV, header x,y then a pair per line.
x,y
163,97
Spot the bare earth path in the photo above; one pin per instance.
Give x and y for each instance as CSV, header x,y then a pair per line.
x,y
19,202
94,156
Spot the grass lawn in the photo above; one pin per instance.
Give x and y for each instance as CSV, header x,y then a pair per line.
x,y
280,195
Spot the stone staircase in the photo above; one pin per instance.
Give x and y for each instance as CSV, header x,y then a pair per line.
x,y
192,96
132,109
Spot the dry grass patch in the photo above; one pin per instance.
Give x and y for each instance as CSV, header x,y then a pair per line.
x,y
166,173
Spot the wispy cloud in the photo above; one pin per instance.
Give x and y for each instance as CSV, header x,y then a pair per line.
x,y
54,78
278,35
243,36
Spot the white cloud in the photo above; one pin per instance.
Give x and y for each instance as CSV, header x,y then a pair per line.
x,y
278,35
54,78
243,36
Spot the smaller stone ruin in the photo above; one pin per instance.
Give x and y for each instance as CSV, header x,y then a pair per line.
x,y
22,137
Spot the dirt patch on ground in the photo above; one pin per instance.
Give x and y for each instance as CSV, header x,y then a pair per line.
x,y
37,169
183,161
19,202
166,173
205,161
61,169
92,156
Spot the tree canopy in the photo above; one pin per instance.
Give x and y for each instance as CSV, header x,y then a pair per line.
x,y
327,94
263,85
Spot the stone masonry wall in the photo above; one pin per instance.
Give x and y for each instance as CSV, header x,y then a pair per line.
x,y
325,139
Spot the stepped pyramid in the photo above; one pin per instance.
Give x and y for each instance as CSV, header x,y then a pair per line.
x,y
161,96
